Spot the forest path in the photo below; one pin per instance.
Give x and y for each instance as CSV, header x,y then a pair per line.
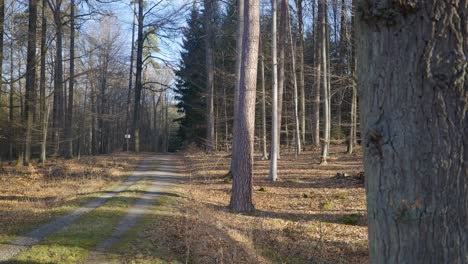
x,y
159,171
161,179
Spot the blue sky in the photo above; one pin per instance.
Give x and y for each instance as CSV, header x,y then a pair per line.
x,y
169,47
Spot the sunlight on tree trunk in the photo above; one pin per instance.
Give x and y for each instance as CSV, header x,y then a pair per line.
x,y
324,82
273,176
241,195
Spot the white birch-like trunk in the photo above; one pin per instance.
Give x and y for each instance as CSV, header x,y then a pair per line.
x,y
264,137
325,86
273,176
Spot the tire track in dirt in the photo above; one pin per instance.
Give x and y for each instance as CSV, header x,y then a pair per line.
x,y
26,241
161,179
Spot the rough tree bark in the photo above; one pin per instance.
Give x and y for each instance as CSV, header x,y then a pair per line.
x,y
239,39
30,79
273,176
241,195
413,91
209,61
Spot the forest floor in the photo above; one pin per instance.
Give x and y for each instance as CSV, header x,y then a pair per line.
x,y
36,194
308,216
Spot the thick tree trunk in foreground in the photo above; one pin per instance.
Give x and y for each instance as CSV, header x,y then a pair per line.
x,y
241,196
412,79
209,60
30,79
273,176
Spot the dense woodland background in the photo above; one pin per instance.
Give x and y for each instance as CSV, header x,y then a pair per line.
x,y
83,97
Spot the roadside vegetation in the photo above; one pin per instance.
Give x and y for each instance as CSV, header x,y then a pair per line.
x,y
39,193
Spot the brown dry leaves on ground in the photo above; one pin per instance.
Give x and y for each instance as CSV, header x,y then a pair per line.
x,y
308,216
34,194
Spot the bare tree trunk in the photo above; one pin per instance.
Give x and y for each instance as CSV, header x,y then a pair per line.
x,y
138,83
226,125
301,69
155,122
262,75
59,110
103,124
93,119
11,114
316,91
324,77
352,130
352,67
241,195
42,82
273,176
45,125
282,47
208,15
166,124
30,79
130,77
239,43
69,121
414,103
297,132
344,44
